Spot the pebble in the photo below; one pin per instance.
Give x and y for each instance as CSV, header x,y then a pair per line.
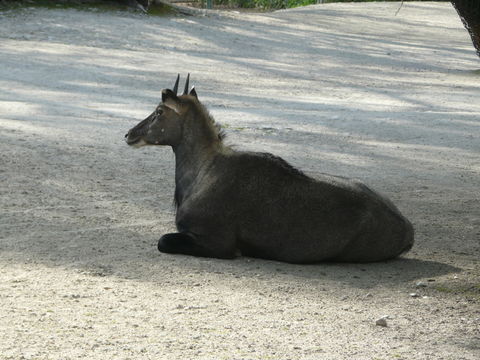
x,y
414,295
382,321
420,284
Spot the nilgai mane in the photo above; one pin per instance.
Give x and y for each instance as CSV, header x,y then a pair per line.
x,y
257,204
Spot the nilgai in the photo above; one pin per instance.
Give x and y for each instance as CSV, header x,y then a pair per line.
x,y
256,204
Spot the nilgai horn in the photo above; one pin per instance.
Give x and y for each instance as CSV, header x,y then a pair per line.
x,y
256,204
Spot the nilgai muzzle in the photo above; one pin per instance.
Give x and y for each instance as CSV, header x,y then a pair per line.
x,y
231,202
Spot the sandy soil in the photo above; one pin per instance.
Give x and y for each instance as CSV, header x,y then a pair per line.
x,y
349,89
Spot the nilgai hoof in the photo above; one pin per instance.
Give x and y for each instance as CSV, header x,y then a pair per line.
x,y
173,243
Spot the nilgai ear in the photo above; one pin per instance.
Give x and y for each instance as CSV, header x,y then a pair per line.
x,y
169,94
170,99
193,92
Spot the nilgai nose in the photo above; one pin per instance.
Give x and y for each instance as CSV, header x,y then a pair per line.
x,y
230,201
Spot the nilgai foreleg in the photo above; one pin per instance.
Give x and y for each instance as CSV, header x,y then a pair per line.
x,y
189,244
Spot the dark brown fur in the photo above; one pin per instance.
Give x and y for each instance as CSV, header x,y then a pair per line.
x,y
258,204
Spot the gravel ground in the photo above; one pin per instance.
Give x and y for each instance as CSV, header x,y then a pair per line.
x,y
348,89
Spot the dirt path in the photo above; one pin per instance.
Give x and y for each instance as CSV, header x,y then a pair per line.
x,y
348,89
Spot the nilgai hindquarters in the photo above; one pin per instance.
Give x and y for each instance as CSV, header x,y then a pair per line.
x,y
257,204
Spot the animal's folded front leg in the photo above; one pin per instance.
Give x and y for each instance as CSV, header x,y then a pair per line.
x,y
183,243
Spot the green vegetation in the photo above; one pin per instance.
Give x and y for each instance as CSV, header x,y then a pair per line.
x,y
158,9
282,4
468,290
62,4
88,5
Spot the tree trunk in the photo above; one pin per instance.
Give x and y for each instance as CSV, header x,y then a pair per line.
x,y
469,12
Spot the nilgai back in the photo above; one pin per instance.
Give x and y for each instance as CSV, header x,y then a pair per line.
x,y
230,202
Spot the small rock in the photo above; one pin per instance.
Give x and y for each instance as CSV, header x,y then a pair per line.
x,y
414,295
382,321
420,284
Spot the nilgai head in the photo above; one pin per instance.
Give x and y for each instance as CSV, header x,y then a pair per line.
x,y
165,125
